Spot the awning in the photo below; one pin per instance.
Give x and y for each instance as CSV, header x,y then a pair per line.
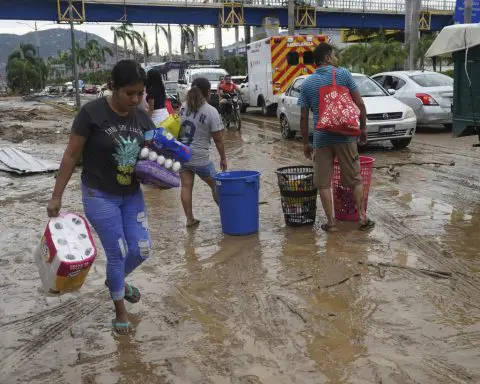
x,y
455,38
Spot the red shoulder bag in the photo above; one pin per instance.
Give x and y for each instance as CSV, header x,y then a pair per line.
x,y
337,112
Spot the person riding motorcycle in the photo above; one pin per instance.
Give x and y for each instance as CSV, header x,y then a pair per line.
x,y
224,89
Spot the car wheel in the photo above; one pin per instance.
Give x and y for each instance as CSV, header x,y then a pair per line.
x,y
287,133
448,127
401,143
264,108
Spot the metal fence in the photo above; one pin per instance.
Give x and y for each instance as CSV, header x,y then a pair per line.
x,y
363,5
396,6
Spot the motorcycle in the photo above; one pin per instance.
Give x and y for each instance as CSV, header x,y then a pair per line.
x,y
231,112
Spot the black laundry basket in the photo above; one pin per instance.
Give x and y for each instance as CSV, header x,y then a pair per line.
x,y
299,195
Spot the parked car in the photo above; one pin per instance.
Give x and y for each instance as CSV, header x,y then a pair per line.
x,y
387,117
429,94
90,89
212,73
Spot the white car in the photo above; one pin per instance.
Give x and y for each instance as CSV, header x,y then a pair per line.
x,y
387,117
213,74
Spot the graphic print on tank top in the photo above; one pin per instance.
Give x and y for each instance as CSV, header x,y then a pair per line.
x,y
127,148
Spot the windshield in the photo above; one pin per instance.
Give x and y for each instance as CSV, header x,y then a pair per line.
x,y
368,88
432,80
210,76
170,86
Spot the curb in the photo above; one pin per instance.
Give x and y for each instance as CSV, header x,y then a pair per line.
x,y
59,106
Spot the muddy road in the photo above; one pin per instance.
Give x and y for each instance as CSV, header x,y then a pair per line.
x,y
283,306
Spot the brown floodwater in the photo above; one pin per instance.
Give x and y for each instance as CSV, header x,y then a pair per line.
x,y
287,305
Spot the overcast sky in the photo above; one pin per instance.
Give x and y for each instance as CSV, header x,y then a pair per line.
x,y
206,37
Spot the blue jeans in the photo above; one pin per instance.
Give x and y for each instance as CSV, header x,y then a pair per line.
x,y
121,225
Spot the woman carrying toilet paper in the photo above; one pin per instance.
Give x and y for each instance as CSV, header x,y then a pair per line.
x,y
200,122
108,134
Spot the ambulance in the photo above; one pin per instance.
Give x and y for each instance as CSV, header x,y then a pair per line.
x,y
274,62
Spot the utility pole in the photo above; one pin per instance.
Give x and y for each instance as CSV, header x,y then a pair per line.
x,y
468,10
291,17
74,56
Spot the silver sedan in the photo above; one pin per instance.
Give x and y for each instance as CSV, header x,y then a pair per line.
x,y
387,118
429,94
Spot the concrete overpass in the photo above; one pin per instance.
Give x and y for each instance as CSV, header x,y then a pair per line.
x,y
386,14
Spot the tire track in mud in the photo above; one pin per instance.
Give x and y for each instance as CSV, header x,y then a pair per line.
x,y
430,251
27,322
34,346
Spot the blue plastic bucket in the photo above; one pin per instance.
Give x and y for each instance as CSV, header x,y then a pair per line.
x,y
238,194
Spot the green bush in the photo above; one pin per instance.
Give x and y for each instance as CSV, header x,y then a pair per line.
x,y
448,72
235,65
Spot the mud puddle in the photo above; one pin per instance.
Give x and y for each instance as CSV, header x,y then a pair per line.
x,y
283,306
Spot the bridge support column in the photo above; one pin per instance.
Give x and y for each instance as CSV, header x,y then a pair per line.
x,y
291,17
218,43
415,33
248,34
237,41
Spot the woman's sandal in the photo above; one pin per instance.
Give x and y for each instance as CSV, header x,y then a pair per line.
x,y
329,228
121,328
132,293
366,226
193,224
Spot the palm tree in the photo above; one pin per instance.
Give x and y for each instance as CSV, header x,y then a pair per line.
x,y
24,52
378,55
167,32
187,37
423,45
115,43
95,53
122,33
135,37
145,49
354,56
25,70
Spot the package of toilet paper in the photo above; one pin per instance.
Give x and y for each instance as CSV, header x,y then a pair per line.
x,y
65,253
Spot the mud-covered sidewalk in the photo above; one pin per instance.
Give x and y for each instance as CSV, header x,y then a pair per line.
x,y
284,306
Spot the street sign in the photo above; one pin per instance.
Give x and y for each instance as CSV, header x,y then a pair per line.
x,y
460,11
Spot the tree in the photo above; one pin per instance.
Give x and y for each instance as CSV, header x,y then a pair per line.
x,y
94,53
423,45
135,37
123,32
380,54
25,70
186,39
234,65
167,32
145,49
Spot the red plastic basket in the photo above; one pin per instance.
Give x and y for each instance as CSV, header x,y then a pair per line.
x,y
343,201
